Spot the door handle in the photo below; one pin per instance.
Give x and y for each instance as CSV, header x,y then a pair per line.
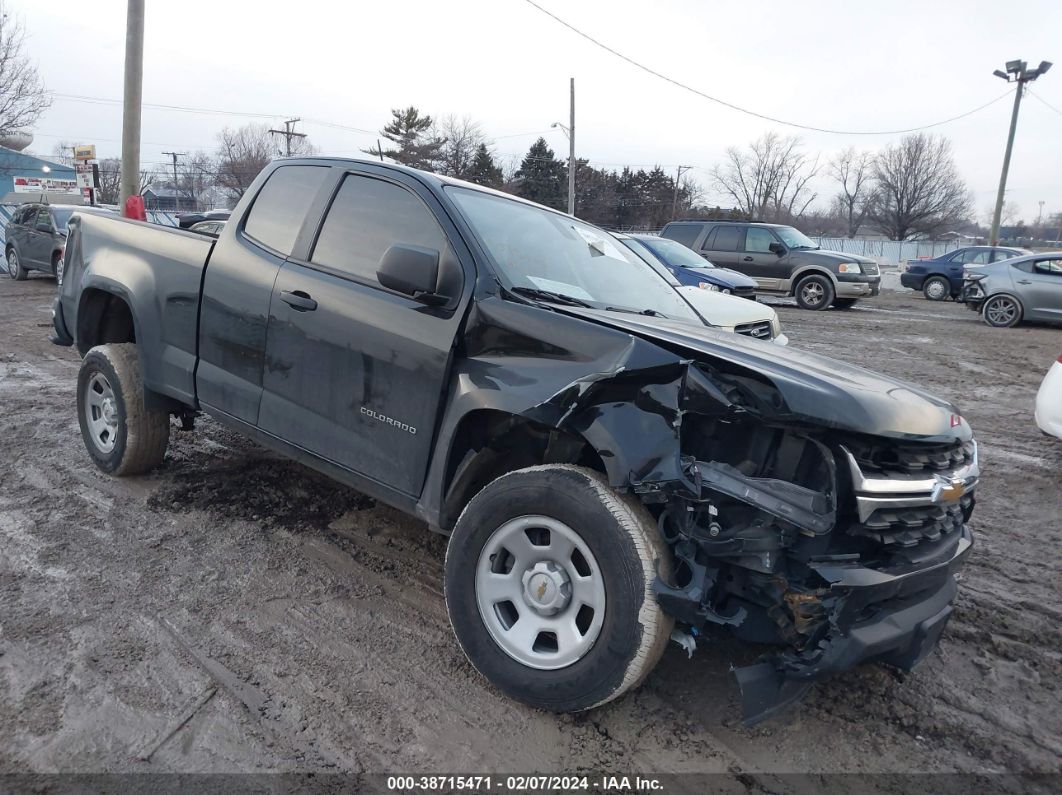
x,y
1024,281
747,259
298,300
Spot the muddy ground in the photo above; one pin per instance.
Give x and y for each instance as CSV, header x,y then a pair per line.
x,y
236,612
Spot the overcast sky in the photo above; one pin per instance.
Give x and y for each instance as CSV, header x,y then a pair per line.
x,y
836,64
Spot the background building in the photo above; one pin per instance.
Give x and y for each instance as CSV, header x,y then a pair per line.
x,y
24,177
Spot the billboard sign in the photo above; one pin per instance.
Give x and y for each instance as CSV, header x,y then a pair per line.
x,y
85,152
24,184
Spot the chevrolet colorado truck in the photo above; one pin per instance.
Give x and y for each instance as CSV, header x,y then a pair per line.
x,y
604,464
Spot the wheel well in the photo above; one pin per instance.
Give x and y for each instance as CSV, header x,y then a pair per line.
x,y
102,318
810,272
488,444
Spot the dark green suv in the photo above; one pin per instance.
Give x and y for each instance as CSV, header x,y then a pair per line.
x,y
782,260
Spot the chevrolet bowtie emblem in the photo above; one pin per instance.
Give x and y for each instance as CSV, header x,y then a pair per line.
x,y
948,490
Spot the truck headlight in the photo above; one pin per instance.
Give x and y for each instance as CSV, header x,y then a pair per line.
x,y
708,286
849,267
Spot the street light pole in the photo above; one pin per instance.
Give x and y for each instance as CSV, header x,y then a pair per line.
x,y
1017,72
571,155
134,92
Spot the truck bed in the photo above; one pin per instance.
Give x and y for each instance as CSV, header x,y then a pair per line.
x,y
157,270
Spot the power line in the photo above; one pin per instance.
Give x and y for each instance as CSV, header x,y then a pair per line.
x,y
746,111
1043,101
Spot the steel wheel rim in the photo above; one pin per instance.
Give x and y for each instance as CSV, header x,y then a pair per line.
x,y
540,592
60,266
1001,311
812,293
12,263
101,413
935,289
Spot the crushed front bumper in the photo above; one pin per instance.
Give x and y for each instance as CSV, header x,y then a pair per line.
x,y
892,617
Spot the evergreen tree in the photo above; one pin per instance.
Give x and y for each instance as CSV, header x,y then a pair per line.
x,y
543,178
483,171
416,145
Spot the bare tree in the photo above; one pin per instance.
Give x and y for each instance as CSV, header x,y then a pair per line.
x,y
22,95
242,153
111,180
853,171
770,180
63,152
919,190
197,177
460,139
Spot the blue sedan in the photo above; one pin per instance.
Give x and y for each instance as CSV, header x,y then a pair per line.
x,y
941,277
690,269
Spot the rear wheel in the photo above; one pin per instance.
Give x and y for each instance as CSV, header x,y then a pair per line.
x,y
936,288
549,577
122,436
814,292
1002,311
14,266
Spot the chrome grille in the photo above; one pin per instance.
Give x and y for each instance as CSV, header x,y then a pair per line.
x,y
760,330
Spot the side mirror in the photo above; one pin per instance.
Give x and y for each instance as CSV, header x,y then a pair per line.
x,y
776,248
412,271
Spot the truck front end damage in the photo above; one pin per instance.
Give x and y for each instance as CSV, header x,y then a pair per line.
x,y
836,545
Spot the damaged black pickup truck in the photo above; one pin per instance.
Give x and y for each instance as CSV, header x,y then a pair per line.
x,y
604,462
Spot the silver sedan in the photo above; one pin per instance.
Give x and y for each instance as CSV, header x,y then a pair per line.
x,y
1023,288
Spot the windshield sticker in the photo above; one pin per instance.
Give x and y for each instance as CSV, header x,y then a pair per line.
x,y
560,287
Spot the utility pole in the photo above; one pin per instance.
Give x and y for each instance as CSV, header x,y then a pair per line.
x,y
571,155
131,102
678,179
1016,72
288,132
176,187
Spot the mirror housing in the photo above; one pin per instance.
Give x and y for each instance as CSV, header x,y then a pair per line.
x,y
776,248
412,271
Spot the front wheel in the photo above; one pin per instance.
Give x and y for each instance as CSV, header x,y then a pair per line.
x,y
549,577
814,292
122,436
14,266
1001,311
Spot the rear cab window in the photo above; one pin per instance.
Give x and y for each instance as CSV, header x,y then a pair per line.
x,y
281,205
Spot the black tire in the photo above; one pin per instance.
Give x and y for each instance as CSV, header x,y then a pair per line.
x,y
628,551
936,288
1002,311
137,441
844,303
15,268
814,292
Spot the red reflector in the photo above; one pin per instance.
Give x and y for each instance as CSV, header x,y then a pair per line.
x,y
956,420
1060,357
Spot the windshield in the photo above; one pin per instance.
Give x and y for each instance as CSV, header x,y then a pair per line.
x,y
794,238
673,253
542,252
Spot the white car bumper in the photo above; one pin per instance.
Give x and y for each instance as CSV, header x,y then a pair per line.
x,y
1049,401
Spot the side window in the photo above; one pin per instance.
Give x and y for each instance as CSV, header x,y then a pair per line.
x,y
975,256
727,238
1052,267
1002,253
709,240
685,234
367,217
758,240
281,205
956,256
